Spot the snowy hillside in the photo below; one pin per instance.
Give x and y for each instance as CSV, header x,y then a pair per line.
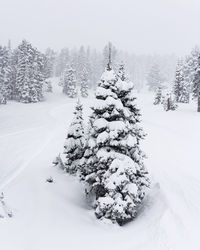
x,y
56,215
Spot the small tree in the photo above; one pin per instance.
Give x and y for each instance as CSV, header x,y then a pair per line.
x,y
84,83
169,103
158,96
75,141
69,82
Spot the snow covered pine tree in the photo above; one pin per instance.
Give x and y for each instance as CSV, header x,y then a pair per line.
x,y
84,83
29,74
75,141
181,87
69,82
196,85
5,76
158,97
169,102
113,169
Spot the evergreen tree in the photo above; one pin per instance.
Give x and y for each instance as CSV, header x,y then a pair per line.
x,y
29,74
5,74
113,167
158,97
106,55
169,102
75,141
38,77
69,82
84,83
154,78
181,88
196,85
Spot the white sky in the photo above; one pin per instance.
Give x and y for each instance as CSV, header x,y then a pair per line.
x,y
140,26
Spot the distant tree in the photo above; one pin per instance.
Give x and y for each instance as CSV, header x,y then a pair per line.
x,y
29,74
5,74
158,96
69,82
154,78
169,102
196,85
84,83
181,87
106,54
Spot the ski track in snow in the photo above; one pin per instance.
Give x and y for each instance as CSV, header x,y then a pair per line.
x,y
53,216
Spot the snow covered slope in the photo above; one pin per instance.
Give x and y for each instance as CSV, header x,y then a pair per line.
x,y
55,216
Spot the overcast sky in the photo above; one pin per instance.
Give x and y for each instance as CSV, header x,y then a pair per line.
x,y
140,26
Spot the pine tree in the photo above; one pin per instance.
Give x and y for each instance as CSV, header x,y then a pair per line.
x,y
5,74
84,83
196,85
29,74
158,96
75,141
154,78
169,102
69,82
181,88
113,167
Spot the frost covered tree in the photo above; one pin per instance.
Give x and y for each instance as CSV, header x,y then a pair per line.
x,y
169,102
154,78
29,74
75,141
190,65
84,83
196,85
181,87
69,82
106,49
158,96
113,162
5,75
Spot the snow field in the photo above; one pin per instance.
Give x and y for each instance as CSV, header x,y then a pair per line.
x,y
57,216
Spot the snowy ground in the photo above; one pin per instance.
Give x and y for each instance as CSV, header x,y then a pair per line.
x,y
56,216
